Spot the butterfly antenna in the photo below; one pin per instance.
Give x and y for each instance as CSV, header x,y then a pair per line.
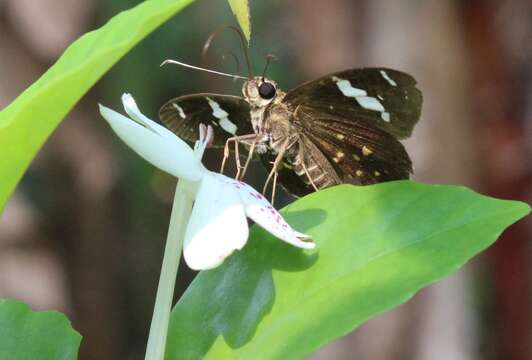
x,y
243,42
269,59
202,69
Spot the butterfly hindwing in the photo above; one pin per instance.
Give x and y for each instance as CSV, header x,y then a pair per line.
x,y
386,98
360,153
228,116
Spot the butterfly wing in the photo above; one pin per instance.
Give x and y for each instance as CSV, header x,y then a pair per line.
x,y
386,98
228,116
343,150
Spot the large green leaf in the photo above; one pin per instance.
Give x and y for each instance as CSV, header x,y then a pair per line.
x,y
28,335
376,246
27,122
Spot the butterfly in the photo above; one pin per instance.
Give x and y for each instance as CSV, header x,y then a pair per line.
x,y
341,128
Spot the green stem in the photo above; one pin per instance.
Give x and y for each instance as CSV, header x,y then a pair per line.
x,y
163,302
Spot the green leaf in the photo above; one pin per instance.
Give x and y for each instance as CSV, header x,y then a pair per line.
x,y
27,122
28,335
241,10
376,246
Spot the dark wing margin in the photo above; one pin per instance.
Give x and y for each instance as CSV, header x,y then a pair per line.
x,y
228,116
387,98
360,153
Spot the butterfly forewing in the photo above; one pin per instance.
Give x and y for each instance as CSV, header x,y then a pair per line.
x,y
386,98
228,116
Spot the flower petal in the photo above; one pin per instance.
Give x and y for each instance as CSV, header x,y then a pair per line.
x,y
169,154
217,225
264,214
131,108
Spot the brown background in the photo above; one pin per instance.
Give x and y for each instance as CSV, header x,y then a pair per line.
x,y
83,233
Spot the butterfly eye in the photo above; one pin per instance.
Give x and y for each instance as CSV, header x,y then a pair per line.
x,y
267,90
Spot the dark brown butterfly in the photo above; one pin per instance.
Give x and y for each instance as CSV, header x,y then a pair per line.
x,y
340,128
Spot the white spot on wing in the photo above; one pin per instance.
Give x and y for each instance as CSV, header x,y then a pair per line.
x,y
370,103
361,96
222,116
387,78
217,111
228,126
179,110
346,88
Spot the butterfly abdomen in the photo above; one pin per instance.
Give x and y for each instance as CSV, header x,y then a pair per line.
x,y
312,167
315,176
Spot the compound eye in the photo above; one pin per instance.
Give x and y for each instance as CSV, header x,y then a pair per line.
x,y
267,90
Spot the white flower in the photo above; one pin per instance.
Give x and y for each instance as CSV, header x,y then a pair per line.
x,y
217,225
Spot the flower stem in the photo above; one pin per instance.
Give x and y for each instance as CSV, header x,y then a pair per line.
x,y
163,302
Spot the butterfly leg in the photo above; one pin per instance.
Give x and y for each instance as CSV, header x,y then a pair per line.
x,y
241,170
237,160
307,173
248,160
309,177
226,154
235,139
276,162
274,187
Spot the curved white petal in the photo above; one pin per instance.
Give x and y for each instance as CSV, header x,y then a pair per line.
x,y
169,154
217,225
131,108
264,214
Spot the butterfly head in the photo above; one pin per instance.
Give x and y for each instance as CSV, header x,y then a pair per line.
x,y
259,91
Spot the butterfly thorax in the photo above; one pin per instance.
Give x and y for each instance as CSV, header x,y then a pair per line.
x,y
269,115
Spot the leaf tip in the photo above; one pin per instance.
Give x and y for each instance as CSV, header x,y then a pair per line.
x,y
241,10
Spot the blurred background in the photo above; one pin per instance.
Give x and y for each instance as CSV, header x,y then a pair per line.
x,y
83,234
